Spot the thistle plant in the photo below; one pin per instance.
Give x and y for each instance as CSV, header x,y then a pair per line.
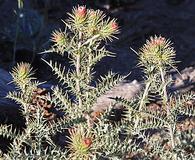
x,y
82,40
86,32
156,58
158,54
147,130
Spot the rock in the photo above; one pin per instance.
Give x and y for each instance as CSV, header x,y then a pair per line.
x,y
4,81
9,111
184,81
125,90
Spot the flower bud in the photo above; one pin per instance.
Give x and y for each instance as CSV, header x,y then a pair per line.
x,y
92,13
87,142
114,26
81,11
22,74
22,71
58,37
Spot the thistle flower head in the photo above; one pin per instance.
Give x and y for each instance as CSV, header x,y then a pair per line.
x,y
80,143
58,37
78,17
92,13
60,40
109,29
157,51
94,22
96,16
22,73
90,23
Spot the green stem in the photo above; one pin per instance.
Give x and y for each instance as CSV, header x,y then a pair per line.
x,y
165,102
88,79
78,67
142,103
89,69
78,80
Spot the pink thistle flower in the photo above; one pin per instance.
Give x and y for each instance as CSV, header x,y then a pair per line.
x,y
81,11
157,41
114,25
87,142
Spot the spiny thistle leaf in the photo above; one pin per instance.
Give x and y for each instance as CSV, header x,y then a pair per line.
x,y
185,104
104,84
151,123
99,54
8,131
18,98
187,110
64,78
126,103
61,98
107,82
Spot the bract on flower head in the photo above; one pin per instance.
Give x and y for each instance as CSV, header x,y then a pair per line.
x,y
152,45
92,12
158,40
